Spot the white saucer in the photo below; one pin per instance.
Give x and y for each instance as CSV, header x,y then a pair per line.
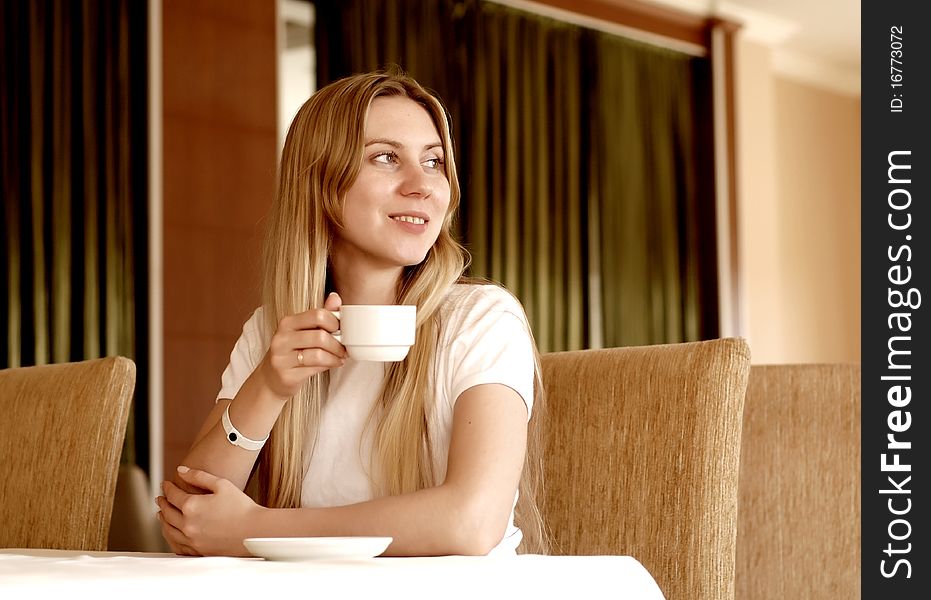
x,y
314,548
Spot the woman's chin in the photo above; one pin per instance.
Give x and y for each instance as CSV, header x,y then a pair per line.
x,y
414,261
410,256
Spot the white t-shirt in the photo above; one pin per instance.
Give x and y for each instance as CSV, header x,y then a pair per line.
x,y
484,338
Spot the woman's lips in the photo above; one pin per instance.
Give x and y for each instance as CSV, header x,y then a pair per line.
x,y
410,219
410,223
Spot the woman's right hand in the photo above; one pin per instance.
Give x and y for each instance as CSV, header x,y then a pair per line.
x,y
303,345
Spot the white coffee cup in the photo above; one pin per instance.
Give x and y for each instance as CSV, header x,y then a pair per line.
x,y
375,331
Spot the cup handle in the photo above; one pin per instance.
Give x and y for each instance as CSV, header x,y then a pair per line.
x,y
337,334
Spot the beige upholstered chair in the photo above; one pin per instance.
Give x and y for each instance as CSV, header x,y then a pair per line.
x,y
61,433
642,459
799,514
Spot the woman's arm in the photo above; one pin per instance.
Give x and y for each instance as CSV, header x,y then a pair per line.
x,y
264,393
254,412
467,514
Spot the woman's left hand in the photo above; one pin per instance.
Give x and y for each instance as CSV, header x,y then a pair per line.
x,y
212,523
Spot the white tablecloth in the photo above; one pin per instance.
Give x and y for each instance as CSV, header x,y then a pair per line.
x,y
98,575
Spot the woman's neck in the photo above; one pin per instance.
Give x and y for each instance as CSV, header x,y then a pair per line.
x,y
363,284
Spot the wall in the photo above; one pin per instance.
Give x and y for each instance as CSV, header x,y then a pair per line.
x,y
219,124
818,166
799,214
759,244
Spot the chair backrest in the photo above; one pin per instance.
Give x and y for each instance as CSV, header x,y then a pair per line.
x,y
642,458
61,433
798,530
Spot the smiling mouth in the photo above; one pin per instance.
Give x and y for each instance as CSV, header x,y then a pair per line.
x,y
409,219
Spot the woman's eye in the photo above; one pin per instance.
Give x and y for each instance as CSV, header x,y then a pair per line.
x,y
387,158
434,163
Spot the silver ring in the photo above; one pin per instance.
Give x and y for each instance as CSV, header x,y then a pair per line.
x,y
300,358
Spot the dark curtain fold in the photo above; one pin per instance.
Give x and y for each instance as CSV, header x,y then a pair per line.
x,y
74,184
586,161
655,200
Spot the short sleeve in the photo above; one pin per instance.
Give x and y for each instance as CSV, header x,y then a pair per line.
x,y
492,344
246,355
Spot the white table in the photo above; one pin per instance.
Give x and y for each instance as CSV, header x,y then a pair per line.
x,y
99,575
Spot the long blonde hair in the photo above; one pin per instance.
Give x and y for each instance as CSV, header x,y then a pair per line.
x,y
319,163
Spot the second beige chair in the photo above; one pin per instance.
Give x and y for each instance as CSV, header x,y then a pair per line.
x,y
799,521
642,459
61,433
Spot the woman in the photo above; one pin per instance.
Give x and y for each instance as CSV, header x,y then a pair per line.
x,y
430,450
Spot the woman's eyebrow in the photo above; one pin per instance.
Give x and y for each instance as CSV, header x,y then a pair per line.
x,y
396,144
383,141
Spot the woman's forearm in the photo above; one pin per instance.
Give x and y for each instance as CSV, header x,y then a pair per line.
x,y
253,412
431,522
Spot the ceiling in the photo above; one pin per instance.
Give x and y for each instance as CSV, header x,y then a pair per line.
x,y
826,29
813,39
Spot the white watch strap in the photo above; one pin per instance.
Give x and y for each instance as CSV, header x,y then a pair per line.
x,y
236,438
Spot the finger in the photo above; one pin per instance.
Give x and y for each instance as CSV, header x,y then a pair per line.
x,y
315,318
316,360
316,338
187,487
177,541
166,534
175,495
201,479
171,521
333,301
171,533
169,538
170,513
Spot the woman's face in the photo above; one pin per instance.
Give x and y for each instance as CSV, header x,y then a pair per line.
x,y
394,210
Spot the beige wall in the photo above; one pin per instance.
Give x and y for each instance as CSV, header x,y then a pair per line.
x,y
798,149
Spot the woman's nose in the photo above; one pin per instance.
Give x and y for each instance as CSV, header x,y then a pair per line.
x,y
416,183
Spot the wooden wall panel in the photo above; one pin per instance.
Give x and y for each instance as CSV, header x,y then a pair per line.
x,y
219,128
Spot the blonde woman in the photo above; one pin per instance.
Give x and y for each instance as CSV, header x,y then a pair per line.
x,y
432,450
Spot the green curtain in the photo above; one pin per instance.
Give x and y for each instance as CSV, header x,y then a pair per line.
x,y
654,204
585,161
74,184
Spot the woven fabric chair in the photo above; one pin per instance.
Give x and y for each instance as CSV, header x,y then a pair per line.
x,y
61,433
798,530
642,459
